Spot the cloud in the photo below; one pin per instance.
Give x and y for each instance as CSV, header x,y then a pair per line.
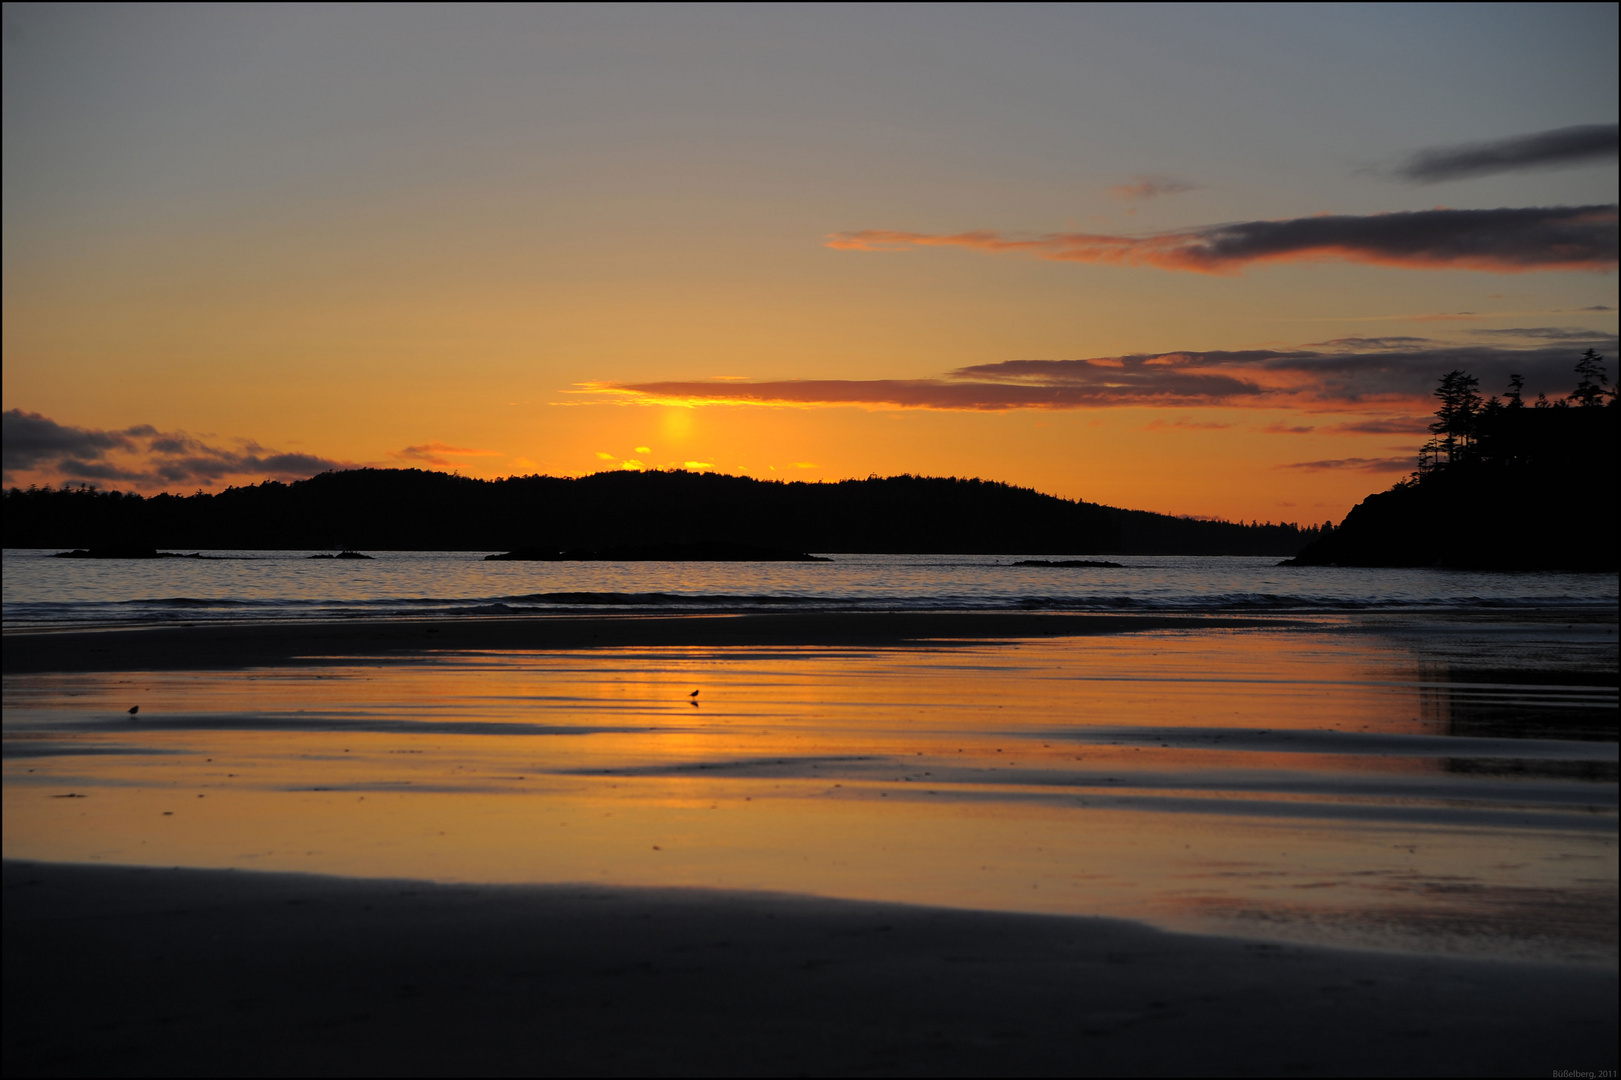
x,y
1389,425
1549,333
1394,372
1185,423
439,454
79,469
1559,148
141,456
1439,316
1109,388
1289,429
1150,187
1359,464
29,439
1505,240
1357,370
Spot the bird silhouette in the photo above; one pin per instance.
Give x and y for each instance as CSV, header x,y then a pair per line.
x,y
133,709
693,694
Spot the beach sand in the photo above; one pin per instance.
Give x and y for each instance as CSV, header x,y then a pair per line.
x,y
879,845
116,971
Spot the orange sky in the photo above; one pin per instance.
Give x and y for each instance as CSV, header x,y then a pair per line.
x,y
243,243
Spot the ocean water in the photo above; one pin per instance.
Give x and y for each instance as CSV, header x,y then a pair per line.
x,y
41,591
1416,759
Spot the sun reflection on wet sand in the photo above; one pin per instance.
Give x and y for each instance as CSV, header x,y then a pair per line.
x,y
1299,785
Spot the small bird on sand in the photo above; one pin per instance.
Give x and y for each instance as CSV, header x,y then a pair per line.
x,y
133,709
693,694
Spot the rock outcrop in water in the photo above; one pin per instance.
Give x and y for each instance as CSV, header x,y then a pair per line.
x,y
700,552
125,551
1072,564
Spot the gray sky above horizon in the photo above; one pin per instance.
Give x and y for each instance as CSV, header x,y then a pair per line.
x,y
450,219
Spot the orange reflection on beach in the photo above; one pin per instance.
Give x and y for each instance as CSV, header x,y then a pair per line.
x,y
1287,784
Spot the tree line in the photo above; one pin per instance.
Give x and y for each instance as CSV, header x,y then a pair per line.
x,y
412,509
1501,485
1470,430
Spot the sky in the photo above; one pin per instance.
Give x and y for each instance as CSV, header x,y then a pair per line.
x,y
1205,260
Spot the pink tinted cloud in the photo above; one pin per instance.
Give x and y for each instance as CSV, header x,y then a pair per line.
x,y
1506,240
439,454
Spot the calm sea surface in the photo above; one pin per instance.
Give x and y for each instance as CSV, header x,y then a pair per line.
x,y
1419,760
257,585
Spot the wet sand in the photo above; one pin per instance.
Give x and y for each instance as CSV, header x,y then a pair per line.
x,y
1314,786
204,647
978,789
115,971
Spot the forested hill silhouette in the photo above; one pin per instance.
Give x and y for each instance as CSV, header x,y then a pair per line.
x,y
409,509
1501,486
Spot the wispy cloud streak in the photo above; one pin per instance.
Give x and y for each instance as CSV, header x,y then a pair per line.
x,y
439,454
1505,240
1150,187
1561,147
1357,464
1390,373
1110,386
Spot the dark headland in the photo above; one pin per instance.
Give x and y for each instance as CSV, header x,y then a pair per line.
x,y
1501,486
588,517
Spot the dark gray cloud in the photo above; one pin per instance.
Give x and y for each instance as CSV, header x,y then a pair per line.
x,y
141,456
1074,389
1348,372
1504,240
28,438
1358,464
1548,333
79,469
1385,425
1558,148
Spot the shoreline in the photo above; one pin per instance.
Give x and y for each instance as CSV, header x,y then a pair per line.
x,y
125,971
207,646
214,646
